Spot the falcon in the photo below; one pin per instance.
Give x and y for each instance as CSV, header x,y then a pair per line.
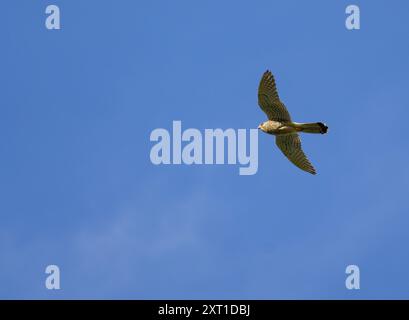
x,y
280,125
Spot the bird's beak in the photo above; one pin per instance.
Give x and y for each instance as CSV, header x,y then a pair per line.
x,y
259,127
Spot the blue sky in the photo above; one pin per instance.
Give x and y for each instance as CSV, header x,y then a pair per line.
x,y
78,189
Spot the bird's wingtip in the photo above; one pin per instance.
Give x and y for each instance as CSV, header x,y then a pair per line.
x,y
312,171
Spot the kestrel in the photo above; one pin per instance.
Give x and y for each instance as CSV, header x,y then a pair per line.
x,y
279,124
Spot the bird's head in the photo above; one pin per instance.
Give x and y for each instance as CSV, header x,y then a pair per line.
x,y
261,126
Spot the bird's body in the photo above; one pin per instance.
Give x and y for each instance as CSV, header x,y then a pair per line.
x,y
279,128
280,124
276,127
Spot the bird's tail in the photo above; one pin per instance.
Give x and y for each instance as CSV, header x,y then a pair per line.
x,y
315,127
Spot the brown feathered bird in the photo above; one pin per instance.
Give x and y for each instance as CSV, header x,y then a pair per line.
x,y
279,124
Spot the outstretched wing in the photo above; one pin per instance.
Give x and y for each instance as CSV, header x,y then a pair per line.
x,y
269,101
290,145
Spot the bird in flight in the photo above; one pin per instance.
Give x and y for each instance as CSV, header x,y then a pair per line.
x,y
279,124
